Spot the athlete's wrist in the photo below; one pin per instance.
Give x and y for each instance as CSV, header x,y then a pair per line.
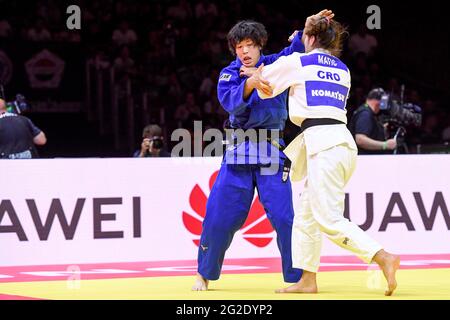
x,y
251,83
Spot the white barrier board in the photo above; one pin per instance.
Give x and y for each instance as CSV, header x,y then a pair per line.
x,y
63,211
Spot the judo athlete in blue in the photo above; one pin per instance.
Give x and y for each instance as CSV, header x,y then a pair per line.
x,y
233,191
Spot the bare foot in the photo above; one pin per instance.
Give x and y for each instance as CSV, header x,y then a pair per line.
x,y
389,270
389,264
201,284
307,284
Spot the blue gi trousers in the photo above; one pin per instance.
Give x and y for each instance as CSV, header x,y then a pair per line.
x,y
227,209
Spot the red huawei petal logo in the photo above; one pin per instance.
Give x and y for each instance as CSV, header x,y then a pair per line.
x,y
257,228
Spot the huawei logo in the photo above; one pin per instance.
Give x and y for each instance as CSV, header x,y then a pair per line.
x,y
257,228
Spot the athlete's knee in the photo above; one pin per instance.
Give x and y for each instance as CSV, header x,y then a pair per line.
x,y
333,224
216,227
283,225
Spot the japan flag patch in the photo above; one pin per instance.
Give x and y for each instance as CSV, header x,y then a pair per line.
x,y
225,77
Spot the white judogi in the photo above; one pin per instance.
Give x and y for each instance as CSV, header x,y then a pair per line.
x,y
326,155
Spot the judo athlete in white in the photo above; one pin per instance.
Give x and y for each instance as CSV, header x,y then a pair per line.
x,y
325,153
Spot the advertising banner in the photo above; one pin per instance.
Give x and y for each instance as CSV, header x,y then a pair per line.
x,y
63,211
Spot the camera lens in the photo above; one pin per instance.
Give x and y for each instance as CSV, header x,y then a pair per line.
x,y
157,143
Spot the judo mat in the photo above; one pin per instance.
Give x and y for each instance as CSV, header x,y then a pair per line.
x,y
421,277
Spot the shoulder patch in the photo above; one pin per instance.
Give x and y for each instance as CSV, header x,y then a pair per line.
x,y
225,77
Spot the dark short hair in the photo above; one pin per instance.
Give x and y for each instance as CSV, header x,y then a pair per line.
x,y
375,94
247,29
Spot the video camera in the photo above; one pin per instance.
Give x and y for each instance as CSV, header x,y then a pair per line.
x,y
17,106
401,114
395,116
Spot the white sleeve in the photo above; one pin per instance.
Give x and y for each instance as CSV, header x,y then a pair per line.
x,y
281,74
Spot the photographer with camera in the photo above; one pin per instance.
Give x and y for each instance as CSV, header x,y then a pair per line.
x,y
18,135
152,144
368,130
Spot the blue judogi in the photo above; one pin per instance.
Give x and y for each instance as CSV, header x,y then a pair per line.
x,y
233,191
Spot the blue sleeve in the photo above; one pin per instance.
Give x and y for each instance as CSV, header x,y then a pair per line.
x,y
364,124
296,46
230,92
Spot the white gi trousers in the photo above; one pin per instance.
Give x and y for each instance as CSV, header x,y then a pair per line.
x,y
321,209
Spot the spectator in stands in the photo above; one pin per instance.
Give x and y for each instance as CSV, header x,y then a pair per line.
x,y
187,111
65,35
375,74
414,97
366,82
174,90
180,11
152,143
124,64
393,88
360,67
170,36
428,107
215,46
446,132
18,135
92,32
205,8
208,84
54,14
101,61
162,78
124,35
362,42
213,107
39,32
430,130
5,27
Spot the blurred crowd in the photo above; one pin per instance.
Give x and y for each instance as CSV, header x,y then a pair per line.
x,y
174,50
